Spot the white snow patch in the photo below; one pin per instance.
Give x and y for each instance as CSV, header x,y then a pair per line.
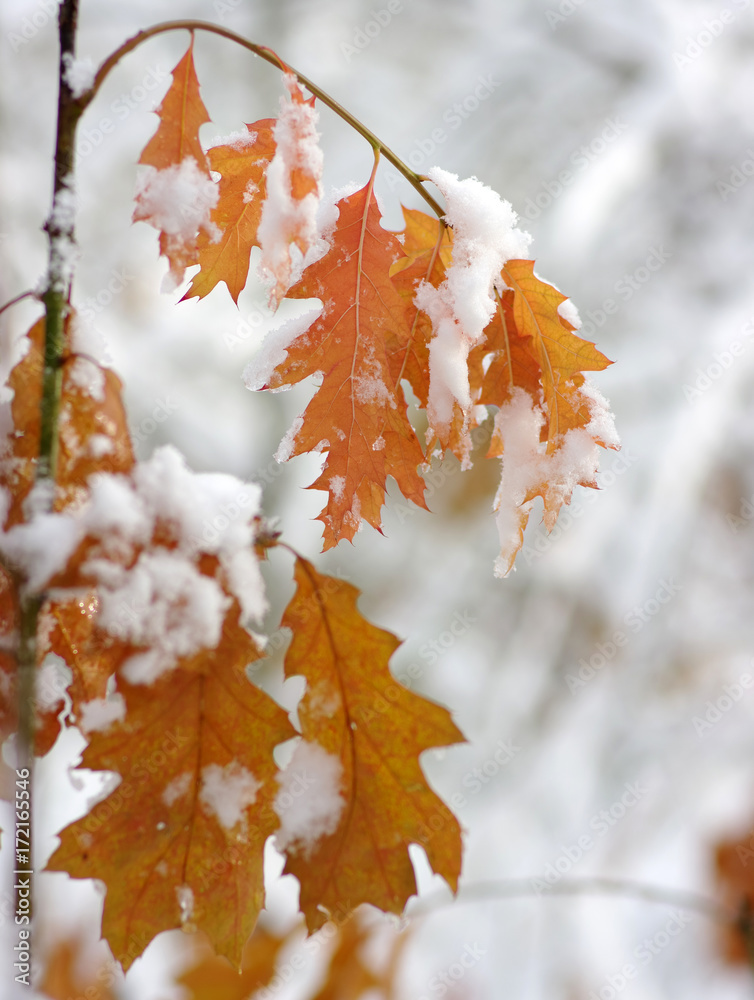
x,y
86,339
178,200
99,714
100,445
323,700
163,600
64,255
274,349
185,896
40,499
177,788
78,73
288,221
485,237
88,377
236,140
41,547
286,446
337,486
227,791
570,313
63,214
310,801
602,423
53,678
526,464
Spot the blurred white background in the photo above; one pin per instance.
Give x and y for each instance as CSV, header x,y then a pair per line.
x,y
623,134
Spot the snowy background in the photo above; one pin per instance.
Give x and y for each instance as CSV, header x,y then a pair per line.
x,y
623,134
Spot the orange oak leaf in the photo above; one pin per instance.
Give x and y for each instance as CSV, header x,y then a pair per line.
x,y
9,623
358,414
428,247
736,875
511,360
362,737
177,192
182,113
561,354
214,978
63,976
242,165
347,974
180,841
93,428
93,437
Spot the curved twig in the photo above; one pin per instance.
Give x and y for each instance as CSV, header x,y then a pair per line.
x,y
269,56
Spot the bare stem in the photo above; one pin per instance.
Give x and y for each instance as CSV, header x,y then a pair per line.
x,y
522,888
18,298
269,56
56,298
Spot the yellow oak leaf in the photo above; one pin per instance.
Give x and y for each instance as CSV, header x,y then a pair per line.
x,y
362,737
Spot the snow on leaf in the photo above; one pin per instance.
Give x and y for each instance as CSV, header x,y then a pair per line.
x,y
294,189
428,247
242,167
310,801
529,470
90,408
358,403
462,304
220,730
426,253
376,733
561,354
178,192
